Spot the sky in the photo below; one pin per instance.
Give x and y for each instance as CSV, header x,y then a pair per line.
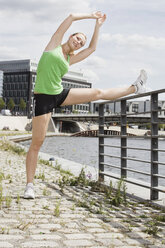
x,y
132,37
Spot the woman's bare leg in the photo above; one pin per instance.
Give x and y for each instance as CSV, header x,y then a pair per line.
x,y
39,128
83,95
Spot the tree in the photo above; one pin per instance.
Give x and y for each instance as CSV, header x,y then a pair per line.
x,y
2,104
11,104
22,104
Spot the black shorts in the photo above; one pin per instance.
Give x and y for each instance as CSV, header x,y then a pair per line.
x,y
44,104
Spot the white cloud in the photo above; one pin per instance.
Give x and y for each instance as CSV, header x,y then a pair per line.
x,y
8,53
133,37
43,10
95,62
134,40
143,5
92,76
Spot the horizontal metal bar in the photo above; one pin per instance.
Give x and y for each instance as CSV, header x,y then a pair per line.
x,y
111,165
137,160
158,189
158,150
137,148
135,183
110,146
127,147
125,180
160,176
110,156
139,172
133,148
127,169
127,136
158,136
161,163
144,161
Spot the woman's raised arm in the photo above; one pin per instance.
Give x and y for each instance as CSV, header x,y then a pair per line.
x,y
75,58
57,37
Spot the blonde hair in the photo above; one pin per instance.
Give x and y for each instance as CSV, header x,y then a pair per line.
x,y
80,33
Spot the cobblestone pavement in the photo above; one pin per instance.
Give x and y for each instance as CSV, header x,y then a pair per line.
x,y
54,219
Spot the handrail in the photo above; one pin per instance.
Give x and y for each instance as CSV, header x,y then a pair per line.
x,y
153,137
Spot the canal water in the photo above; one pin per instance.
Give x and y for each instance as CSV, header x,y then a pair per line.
x,y
84,150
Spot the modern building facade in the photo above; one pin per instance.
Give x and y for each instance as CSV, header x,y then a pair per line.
x,y
19,79
1,83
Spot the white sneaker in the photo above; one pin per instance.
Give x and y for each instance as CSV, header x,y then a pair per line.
x,y
29,191
140,83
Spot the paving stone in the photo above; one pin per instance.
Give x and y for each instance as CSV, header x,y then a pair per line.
x,y
68,230
110,242
45,237
32,226
72,216
94,220
40,244
10,237
50,226
72,225
39,230
79,236
8,220
96,230
138,242
5,245
109,235
91,224
77,243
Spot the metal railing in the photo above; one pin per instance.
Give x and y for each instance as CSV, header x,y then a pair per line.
x,y
153,138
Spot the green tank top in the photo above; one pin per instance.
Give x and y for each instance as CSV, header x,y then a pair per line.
x,y
51,68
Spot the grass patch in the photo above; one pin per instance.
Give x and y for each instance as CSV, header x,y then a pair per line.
x,y
8,146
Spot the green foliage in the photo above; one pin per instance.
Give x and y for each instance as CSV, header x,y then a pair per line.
x,y
119,197
57,209
7,146
11,104
159,217
152,228
8,200
22,104
2,104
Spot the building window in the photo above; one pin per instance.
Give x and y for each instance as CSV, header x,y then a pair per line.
x,y
16,78
135,107
20,78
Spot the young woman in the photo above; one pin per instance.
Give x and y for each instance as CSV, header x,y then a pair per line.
x,y
49,93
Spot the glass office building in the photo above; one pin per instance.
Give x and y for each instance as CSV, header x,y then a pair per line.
x,y
19,79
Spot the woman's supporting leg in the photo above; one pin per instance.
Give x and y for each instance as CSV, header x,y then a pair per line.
x,y
39,128
83,95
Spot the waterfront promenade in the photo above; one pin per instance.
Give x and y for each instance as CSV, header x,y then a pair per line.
x,y
62,218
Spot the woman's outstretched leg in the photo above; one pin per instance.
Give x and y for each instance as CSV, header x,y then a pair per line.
x,y
39,128
83,95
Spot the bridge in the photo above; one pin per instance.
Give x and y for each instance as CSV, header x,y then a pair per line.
x,y
95,133
144,117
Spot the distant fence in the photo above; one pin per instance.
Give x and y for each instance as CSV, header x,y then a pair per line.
x,y
154,137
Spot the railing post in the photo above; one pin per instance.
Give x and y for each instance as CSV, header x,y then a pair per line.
x,y
154,146
123,139
101,141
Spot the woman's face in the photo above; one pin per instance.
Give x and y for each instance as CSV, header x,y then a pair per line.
x,y
77,41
